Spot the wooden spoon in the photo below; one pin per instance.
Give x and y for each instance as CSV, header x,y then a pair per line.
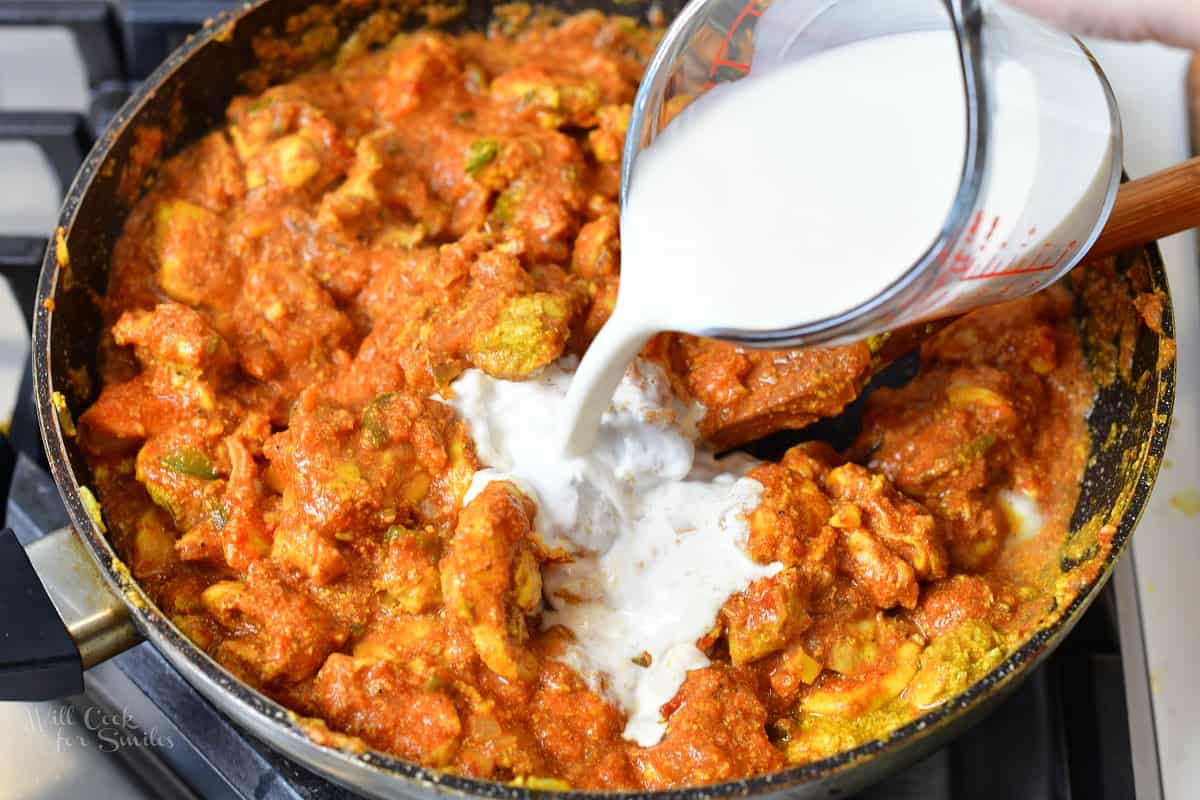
x,y
1150,208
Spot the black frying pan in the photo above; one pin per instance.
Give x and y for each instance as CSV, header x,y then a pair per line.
x,y
99,610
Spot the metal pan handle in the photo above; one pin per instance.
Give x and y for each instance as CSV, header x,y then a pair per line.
x,y
57,617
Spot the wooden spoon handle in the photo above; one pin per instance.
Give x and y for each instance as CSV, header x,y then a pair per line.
x,y
1150,208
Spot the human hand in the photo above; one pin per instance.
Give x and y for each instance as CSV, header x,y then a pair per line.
x,y
1173,22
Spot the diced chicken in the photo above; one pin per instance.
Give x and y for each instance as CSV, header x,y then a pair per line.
x,y
716,731
175,337
765,617
870,662
953,661
529,333
375,701
277,636
193,267
749,394
904,527
491,579
182,469
409,578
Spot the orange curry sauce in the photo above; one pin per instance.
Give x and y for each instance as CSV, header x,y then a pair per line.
x,y
273,469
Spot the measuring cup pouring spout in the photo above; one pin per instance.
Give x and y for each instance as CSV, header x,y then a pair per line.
x,y
1041,155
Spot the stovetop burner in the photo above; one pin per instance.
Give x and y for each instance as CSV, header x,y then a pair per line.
x,y
1064,734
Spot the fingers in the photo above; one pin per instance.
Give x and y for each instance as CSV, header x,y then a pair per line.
x,y
1172,22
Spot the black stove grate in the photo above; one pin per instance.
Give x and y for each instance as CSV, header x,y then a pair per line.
x,y
1063,735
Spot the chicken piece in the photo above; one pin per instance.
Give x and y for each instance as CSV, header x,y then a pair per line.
x,y
597,257
208,174
811,460
182,468
469,303
765,617
429,646
789,524
308,552
152,548
716,731
947,439
193,267
356,197
542,194
409,576
903,526
597,252
975,526
288,332
344,476
175,337
244,533
954,661
128,413
374,700
793,670
885,577
421,65
277,636
950,428
579,731
869,662
491,579
555,101
185,363
884,541
749,394
530,332
287,143
947,603
607,140
1017,336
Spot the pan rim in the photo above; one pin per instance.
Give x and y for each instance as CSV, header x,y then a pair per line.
x,y
153,624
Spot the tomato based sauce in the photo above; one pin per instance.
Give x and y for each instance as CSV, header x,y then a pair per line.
x,y
299,288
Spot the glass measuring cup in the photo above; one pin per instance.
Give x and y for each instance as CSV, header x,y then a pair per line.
x,y
1038,181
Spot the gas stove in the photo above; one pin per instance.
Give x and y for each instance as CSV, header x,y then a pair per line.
x,y
1082,726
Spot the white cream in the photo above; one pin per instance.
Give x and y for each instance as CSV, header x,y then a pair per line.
x,y
787,197
1025,517
655,529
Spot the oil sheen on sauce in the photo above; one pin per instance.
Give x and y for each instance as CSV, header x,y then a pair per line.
x,y
785,197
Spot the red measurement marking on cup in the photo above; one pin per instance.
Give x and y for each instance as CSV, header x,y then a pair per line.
x,y
965,258
1024,265
754,8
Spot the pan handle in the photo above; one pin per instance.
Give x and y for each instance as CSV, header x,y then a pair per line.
x,y
57,617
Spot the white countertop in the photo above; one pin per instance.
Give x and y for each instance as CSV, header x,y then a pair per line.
x,y
1149,82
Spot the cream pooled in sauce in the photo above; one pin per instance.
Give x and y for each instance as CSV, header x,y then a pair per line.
x,y
655,529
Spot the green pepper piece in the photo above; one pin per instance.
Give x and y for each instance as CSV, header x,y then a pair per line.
x,y
480,153
190,461
506,205
373,426
396,532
